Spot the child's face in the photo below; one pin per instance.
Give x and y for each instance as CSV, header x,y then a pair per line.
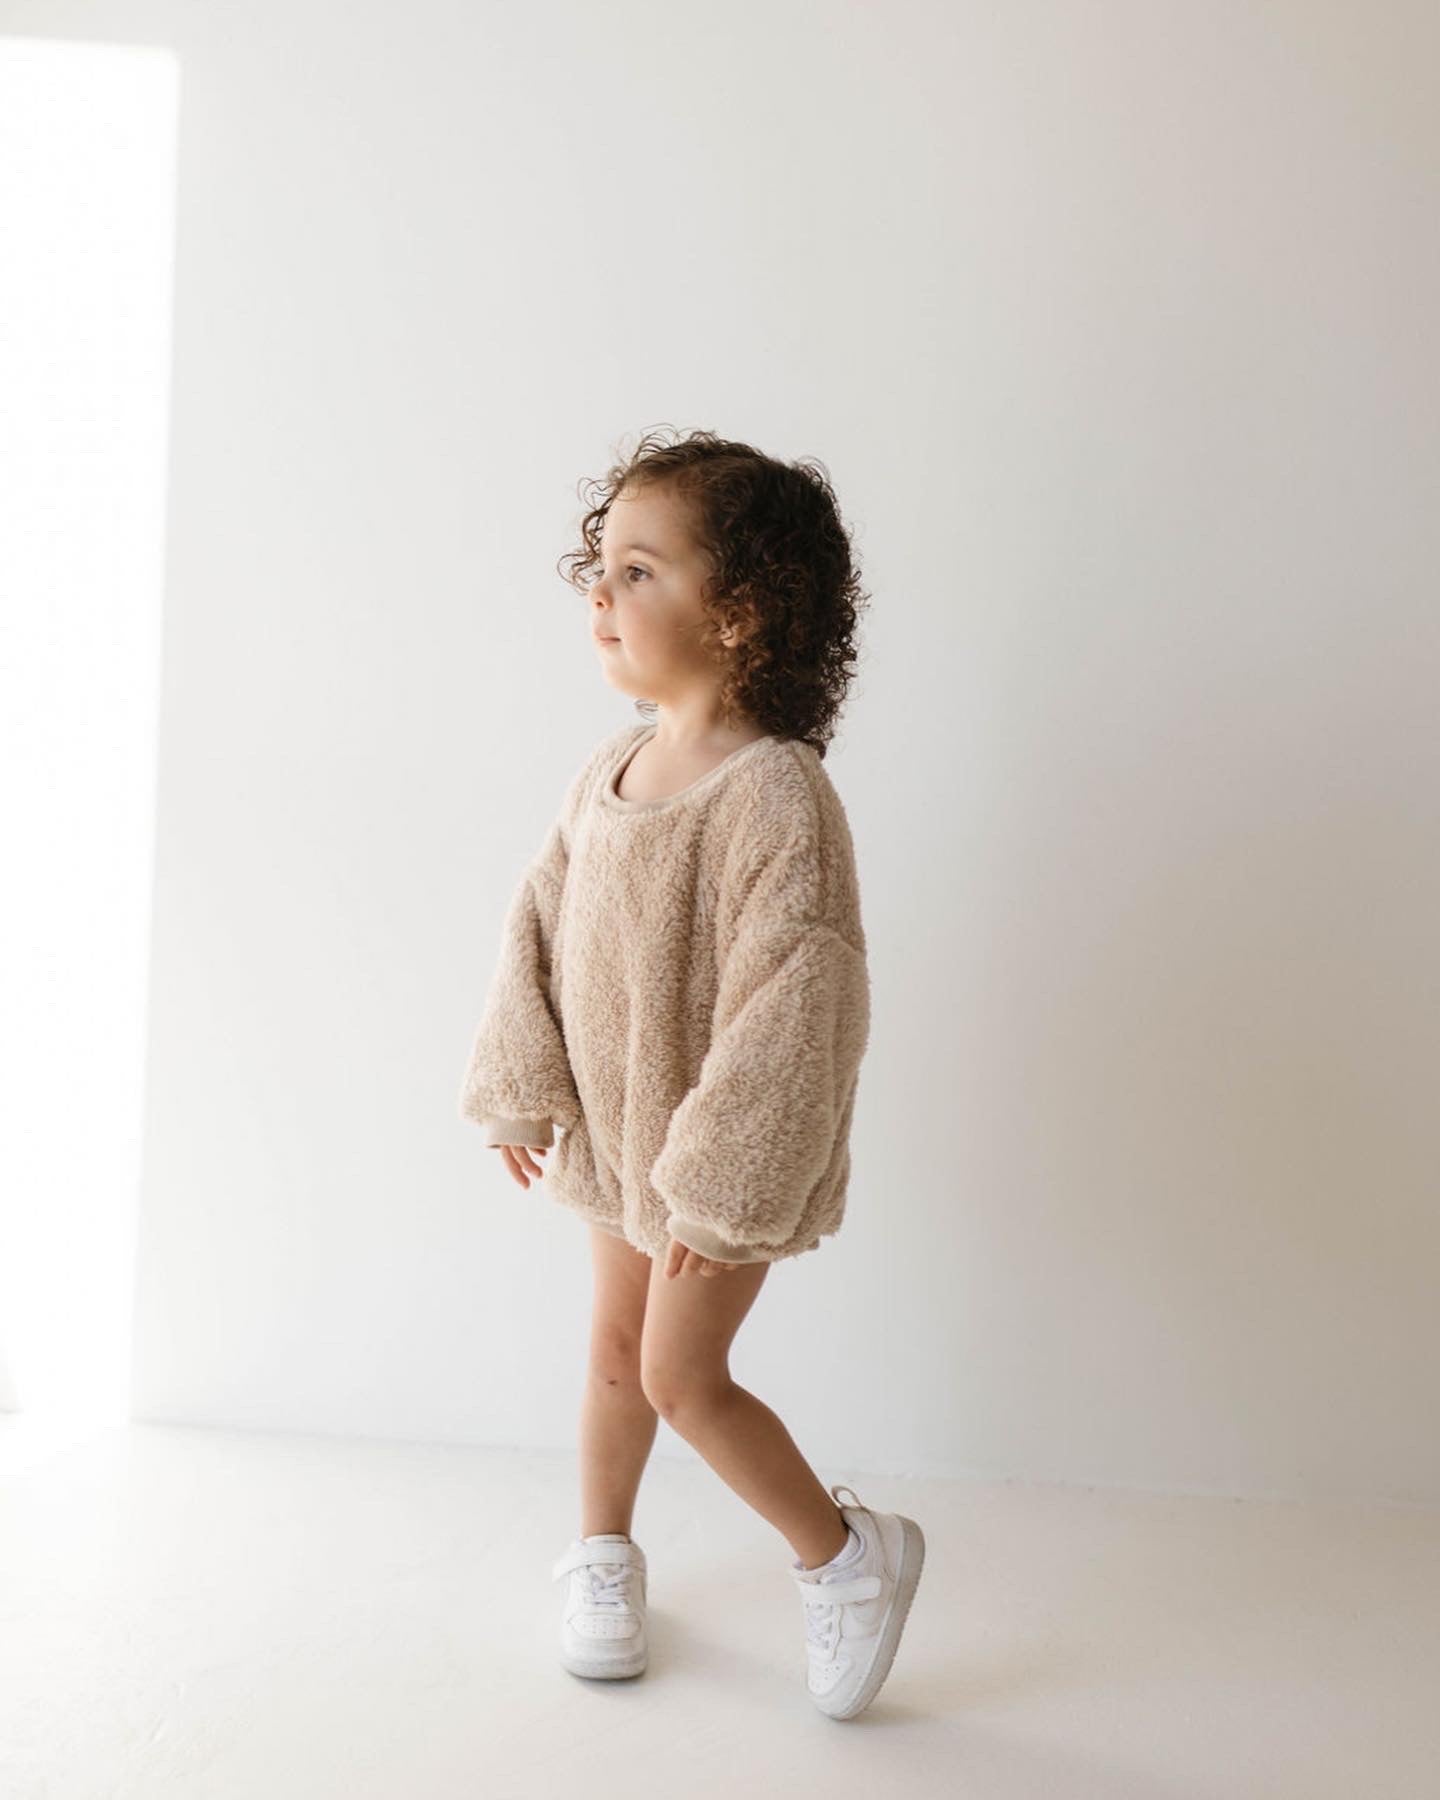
x,y
647,596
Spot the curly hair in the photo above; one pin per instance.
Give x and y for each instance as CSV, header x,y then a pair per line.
x,y
783,574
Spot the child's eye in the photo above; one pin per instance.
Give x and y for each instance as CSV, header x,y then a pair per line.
x,y
631,569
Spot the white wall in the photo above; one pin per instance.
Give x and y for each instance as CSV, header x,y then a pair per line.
x,y
87,235
1115,327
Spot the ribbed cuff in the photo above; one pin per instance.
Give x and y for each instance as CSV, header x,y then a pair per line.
x,y
534,1134
710,1243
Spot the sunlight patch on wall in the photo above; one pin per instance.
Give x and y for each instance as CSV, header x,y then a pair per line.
x,y
87,218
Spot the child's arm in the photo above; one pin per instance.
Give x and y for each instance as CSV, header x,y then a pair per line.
x,y
518,1083
747,1144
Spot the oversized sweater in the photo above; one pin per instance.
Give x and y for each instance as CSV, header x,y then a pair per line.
x,y
682,990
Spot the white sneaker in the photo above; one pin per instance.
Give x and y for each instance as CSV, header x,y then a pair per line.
x,y
602,1625
854,1614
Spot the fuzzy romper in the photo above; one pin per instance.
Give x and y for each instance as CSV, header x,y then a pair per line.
x,y
682,989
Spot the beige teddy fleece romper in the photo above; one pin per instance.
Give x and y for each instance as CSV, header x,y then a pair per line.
x,y
682,989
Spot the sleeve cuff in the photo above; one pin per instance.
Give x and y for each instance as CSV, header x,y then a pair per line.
x,y
534,1134
710,1243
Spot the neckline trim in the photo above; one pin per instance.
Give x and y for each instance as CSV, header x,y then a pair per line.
x,y
701,784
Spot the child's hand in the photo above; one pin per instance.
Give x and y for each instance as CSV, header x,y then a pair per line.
x,y
520,1158
682,1260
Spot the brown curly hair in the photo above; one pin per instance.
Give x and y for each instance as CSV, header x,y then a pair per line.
x,y
783,573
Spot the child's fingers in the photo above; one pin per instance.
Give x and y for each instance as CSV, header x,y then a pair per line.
x,y
682,1260
520,1161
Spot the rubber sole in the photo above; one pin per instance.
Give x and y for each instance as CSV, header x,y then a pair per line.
x,y
611,1670
912,1561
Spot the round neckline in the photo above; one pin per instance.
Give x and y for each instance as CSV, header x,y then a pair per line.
x,y
618,804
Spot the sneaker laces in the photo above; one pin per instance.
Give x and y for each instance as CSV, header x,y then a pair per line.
x,y
821,1619
610,1588
822,1613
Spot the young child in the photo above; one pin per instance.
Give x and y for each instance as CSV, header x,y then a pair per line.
x,y
682,991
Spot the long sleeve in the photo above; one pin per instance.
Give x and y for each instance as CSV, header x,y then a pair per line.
x,y
746,1146
518,1082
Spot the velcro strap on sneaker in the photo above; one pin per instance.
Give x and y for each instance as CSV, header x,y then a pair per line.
x,y
581,1553
829,1593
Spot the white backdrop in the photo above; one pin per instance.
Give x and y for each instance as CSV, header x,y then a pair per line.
x,y
1115,328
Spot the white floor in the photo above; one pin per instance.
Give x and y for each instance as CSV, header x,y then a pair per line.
x,y
218,1615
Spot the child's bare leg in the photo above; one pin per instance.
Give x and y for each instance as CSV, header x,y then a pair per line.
x,y
617,1422
690,1323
